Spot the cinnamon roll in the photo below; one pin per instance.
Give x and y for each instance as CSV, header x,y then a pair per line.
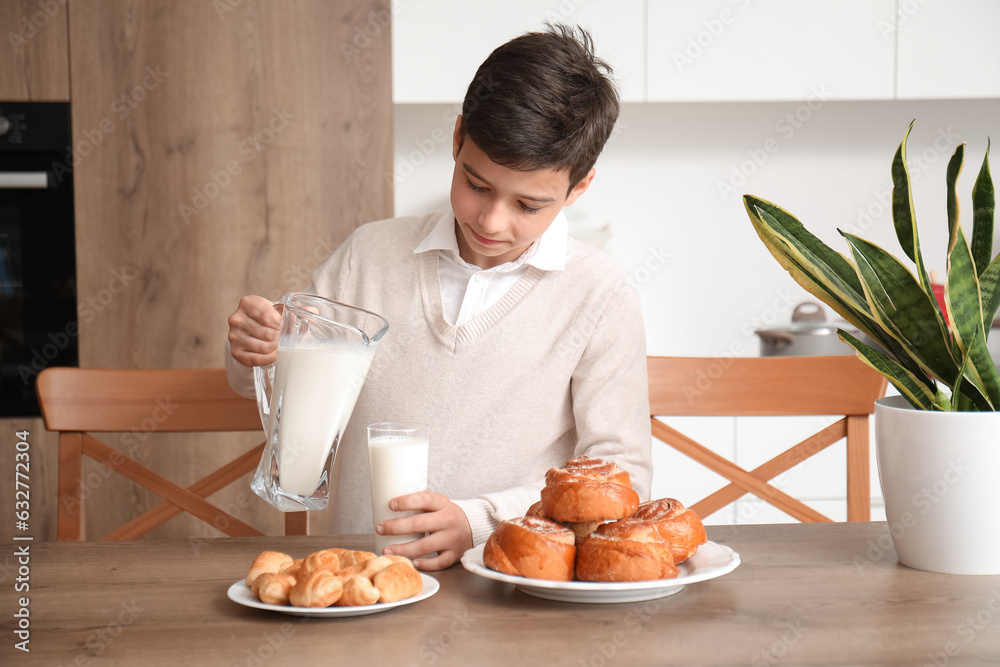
x,y
588,490
533,547
625,550
679,527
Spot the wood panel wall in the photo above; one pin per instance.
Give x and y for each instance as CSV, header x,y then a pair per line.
x,y
34,62
34,67
222,148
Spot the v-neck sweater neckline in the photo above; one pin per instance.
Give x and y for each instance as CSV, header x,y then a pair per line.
x,y
455,337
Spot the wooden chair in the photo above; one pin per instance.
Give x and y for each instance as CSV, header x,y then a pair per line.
x,y
772,386
77,400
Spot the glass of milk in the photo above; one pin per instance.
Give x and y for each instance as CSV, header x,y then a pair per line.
x,y
397,459
307,396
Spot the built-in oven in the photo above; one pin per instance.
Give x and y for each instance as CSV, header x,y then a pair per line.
x,y
38,306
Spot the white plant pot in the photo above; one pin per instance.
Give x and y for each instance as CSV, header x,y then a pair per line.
x,y
940,476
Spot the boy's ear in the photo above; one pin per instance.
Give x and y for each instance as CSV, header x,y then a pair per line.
x,y
580,187
456,139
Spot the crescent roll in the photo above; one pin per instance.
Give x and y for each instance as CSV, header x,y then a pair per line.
x,y
319,588
267,561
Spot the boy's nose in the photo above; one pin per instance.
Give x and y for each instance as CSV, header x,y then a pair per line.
x,y
492,219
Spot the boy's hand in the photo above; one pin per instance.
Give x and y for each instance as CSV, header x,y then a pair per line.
x,y
447,528
254,330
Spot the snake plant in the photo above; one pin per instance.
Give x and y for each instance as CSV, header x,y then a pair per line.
x,y
936,362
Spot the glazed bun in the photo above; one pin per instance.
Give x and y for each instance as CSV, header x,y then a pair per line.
x,y
588,490
532,547
625,550
679,527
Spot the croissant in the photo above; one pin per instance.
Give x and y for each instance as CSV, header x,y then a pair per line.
x,y
398,582
319,588
358,590
267,561
273,588
349,557
533,547
327,559
681,528
586,490
625,550
295,568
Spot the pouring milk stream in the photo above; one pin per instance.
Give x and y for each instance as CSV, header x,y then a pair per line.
x,y
307,396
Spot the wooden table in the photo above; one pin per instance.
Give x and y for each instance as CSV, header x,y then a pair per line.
x,y
819,594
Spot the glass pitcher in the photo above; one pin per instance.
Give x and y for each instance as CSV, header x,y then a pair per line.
x,y
307,395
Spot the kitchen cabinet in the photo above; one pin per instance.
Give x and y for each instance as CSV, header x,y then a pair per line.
x,y
720,50
782,50
437,45
34,59
948,50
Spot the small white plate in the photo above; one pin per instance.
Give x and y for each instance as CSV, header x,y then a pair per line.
x,y
240,594
712,560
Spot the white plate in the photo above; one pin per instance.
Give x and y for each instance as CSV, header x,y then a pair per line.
x,y
240,594
712,560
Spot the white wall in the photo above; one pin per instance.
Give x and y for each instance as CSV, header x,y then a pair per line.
x,y
668,189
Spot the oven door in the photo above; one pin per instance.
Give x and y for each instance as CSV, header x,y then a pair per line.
x,y
38,311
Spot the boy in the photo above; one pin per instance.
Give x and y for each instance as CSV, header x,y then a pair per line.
x,y
518,347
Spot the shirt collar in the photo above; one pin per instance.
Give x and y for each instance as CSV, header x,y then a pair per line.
x,y
548,253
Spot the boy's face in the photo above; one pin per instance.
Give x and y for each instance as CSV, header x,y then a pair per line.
x,y
499,211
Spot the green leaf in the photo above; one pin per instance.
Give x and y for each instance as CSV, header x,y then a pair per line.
x,y
983,203
962,293
982,373
905,310
956,390
954,168
989,289
902,201
788,227
823,272
903,216
966,316
909,385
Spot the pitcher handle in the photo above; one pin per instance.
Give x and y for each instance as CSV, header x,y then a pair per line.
x,y
263,377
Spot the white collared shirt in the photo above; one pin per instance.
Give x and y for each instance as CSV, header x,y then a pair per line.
x,y
466,289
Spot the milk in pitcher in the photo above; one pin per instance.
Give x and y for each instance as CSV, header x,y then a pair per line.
x,y
318,386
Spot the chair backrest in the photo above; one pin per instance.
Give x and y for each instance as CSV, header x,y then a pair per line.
x,y
770,386
75,401
756,386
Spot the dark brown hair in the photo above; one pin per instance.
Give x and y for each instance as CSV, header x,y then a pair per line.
x,y
542,100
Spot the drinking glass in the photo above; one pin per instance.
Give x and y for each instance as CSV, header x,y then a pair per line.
x,y
397,458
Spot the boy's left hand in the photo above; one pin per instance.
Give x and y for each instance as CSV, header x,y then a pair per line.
x,y
447,528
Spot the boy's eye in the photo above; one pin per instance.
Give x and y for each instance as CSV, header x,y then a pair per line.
x,y
528,209
474,187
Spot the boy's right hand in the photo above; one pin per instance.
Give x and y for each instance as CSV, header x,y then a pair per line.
x,y
254,330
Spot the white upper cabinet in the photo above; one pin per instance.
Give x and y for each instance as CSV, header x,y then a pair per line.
x,y
777,50
437,45
948,49
719,50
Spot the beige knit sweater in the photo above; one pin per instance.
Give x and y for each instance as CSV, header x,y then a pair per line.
x,y
555,369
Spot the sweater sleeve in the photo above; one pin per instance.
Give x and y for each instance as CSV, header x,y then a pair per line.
x,y
610,390
486,512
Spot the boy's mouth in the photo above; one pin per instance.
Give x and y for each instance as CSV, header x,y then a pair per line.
x,y
483,239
